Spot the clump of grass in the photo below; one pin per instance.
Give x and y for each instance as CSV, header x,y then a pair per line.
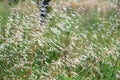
x,y
71,46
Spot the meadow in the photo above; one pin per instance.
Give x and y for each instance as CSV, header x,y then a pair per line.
x,y
80,41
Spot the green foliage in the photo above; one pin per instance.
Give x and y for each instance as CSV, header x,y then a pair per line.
x,y
12,2
4,13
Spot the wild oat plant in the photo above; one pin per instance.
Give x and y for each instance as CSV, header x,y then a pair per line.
x,y
72,45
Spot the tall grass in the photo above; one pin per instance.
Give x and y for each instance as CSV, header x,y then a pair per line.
x,y
71,46
4,13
